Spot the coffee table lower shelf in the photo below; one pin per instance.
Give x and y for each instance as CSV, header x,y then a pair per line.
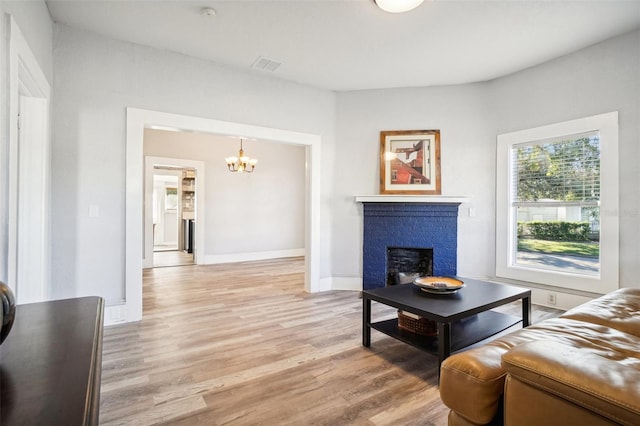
x,y
464,333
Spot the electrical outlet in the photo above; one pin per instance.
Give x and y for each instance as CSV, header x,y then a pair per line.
x,y
551,298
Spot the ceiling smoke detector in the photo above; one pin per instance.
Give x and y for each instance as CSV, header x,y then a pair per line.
x,y
208,11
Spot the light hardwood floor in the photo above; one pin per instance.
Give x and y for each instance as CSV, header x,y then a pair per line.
x,y
243,344
172,258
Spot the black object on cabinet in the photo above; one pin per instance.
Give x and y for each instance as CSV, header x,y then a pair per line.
x,y
189,229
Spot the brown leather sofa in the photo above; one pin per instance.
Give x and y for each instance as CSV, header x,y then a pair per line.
x,y
582,368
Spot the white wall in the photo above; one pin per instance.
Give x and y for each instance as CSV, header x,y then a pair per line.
x,y
95,80
35,24
33,19
248,212
599,79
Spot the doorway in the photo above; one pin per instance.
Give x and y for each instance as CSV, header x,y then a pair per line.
x,y
173,213
136,236
173,205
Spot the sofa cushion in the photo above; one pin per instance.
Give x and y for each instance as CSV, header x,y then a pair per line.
x,y
602,383
525,405
619,309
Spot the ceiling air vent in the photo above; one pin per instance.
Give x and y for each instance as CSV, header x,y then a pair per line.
x,y
265,64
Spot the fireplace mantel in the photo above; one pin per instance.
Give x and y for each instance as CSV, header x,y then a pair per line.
x,y
435,199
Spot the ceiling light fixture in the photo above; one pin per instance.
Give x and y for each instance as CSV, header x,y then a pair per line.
x,y
241,163
397,6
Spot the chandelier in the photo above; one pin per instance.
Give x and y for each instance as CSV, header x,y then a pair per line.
x,y
241,163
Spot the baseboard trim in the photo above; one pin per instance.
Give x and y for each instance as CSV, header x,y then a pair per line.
x,y
213,259
325,284
115,314
346,283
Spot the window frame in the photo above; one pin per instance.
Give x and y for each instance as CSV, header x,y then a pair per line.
x,y
506,235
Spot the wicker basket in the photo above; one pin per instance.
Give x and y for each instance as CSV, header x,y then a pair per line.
x,y
422,326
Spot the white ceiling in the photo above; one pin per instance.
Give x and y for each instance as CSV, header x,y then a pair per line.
x,y
351,44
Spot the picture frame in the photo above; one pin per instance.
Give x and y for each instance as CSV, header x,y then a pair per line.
x,y
410,162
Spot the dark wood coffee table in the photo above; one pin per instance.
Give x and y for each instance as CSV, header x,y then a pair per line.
x,y
463,318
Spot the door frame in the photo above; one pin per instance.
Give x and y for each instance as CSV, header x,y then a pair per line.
x,y
137,120
198,166
27,79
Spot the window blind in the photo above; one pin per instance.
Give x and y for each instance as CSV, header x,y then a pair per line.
x,y
563,171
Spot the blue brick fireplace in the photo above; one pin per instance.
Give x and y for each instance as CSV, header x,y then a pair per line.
x,y
419,226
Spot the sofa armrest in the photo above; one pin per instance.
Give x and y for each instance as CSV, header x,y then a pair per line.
x,y
472,382
607,386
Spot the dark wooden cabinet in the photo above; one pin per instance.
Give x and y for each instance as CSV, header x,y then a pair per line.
x,y
51,364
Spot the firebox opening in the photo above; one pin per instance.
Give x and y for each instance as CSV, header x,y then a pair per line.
x,y
404,264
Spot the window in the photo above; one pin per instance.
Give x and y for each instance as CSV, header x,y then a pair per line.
x,y
556,195
171,198
557,202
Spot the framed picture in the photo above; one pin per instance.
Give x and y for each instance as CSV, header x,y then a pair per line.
x,y
410,162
